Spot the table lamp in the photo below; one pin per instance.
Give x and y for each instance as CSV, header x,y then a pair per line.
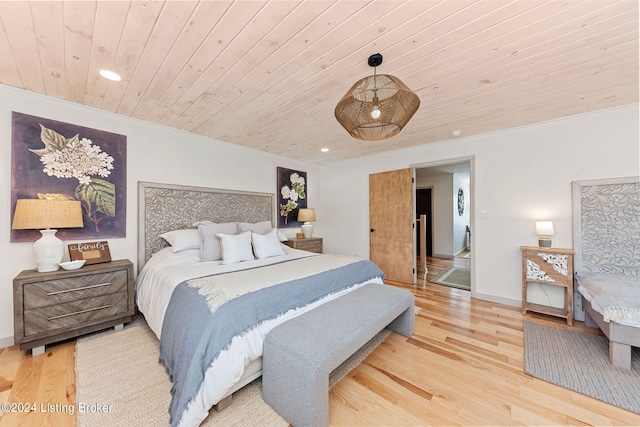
x,y
306,216
544,229
45,215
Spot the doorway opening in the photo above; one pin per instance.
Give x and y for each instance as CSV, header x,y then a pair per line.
x,y
443,195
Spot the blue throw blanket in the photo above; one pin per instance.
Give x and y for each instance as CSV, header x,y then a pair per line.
x,y
192,336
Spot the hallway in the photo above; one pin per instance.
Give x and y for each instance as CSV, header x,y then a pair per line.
x,y
436,265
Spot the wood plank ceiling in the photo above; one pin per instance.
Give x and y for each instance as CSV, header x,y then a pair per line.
x,y
268,74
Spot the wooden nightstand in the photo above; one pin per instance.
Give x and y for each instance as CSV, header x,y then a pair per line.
x,y
551,266
50,307
311,244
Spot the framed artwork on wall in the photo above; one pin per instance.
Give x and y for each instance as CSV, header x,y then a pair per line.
x,y
292,195
62,161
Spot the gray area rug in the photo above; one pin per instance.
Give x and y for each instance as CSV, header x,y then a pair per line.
x,y
465,255
454,277
121,370
580,362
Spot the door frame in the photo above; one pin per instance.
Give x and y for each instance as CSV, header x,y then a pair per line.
x,y
472,202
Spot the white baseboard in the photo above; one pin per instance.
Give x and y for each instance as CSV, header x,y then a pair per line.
x,y
6,342
442,256
496,299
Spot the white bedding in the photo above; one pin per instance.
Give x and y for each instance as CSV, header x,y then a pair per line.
x,y
166,270
615,297
154,286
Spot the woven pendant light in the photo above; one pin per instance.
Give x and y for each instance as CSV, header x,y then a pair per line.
x,y
376,107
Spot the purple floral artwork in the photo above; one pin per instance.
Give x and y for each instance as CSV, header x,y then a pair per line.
x,y
56,160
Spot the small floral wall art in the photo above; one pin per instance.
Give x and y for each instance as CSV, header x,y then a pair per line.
x,y
52,159
292,195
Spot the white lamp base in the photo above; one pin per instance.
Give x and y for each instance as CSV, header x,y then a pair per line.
x,y
307,229
48,251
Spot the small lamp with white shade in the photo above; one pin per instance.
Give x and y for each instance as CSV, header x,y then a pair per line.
x,y
544,229
307,216
45,215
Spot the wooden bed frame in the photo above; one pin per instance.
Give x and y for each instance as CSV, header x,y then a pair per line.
x,y
166,207
592,201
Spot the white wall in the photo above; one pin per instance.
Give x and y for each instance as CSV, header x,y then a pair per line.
x,y
441,184
519,176
154,153
460,222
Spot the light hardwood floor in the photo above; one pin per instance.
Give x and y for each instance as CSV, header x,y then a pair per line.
x,y
462,366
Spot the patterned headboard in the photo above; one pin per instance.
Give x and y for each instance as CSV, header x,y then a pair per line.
x,y
165,207
606,226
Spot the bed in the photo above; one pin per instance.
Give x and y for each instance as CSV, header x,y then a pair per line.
x,y
606,234
211,314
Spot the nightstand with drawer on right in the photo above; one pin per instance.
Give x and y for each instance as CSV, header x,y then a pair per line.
x,y
311,244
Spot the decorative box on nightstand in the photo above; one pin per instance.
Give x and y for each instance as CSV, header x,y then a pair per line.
x,y
550,266
311,244
50,307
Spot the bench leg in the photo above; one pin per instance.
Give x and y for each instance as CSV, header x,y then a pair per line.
x,y
403,324
620,354
295,390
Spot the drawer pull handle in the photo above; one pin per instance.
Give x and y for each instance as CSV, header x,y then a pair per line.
x,y
78,312
78,289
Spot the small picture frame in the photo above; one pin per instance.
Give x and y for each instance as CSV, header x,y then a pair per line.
x,y
91,252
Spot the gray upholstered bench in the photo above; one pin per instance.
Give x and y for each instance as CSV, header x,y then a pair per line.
x,y
300,354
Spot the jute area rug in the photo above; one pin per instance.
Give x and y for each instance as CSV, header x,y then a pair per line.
x,y
579,361
454,277
121,370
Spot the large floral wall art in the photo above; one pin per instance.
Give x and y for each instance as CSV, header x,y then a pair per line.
x,y
57,160
292,195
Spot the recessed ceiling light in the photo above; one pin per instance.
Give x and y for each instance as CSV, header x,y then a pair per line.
x,y
110,75
324,150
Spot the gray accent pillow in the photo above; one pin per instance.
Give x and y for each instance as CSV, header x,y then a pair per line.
x,y
262,227
210,249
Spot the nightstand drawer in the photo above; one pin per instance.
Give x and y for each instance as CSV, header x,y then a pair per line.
x,y
311,245
51,292
74,313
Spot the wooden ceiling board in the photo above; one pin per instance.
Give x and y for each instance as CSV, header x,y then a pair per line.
x,y
200,25
171,20
50,40
223,34
236,61
24,46
268,74
110,20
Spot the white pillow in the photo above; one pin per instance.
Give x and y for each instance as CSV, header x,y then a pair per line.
x,y
262,227
210,249
181,240
282,237
267,245
235,247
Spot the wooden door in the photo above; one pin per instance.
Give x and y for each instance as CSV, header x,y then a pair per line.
x,y
391,223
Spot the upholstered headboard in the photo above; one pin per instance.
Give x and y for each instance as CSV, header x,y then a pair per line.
x,y
165,207
606,226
